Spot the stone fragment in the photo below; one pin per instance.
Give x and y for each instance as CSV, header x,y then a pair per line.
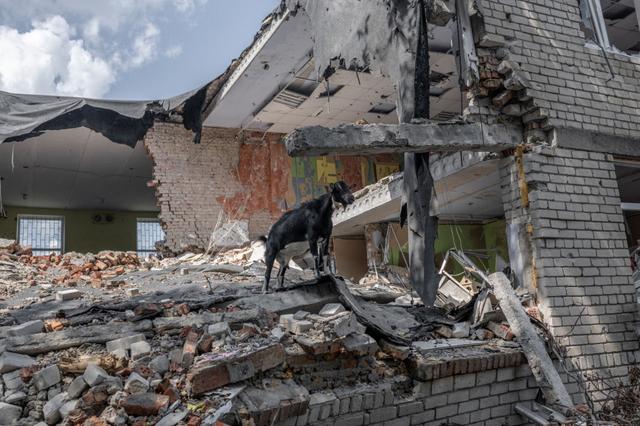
x,y
15,398
132,291
64,295
360,344
94,375
501,330
300,315
331,309
275,401
189,349
136,384
13,381
293,325
68,407
144,404
160,364
77,387
9,413
51,410
30,327
140,349
219,329
10,361
47,377
461,330
124,344
348,324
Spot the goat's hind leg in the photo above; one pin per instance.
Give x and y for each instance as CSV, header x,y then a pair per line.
x,y
281,272
269,258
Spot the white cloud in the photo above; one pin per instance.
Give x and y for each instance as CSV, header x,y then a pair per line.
x,y
48,60
145,46
173,51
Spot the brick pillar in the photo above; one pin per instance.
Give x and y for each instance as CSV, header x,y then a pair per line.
x,y
574,229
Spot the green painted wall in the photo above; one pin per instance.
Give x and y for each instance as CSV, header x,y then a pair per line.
x,y
81,233
490,237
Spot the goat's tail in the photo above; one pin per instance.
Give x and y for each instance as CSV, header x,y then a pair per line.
x,y
262,238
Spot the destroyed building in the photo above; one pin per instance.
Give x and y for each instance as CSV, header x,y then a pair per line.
x,y
532,126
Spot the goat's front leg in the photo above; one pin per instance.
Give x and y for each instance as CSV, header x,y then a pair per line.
x,y
313,247
324,254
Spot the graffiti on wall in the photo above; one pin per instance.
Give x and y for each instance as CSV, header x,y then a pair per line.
x,y
311,175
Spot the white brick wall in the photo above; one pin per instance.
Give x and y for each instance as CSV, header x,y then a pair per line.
x,y
581,255
571,82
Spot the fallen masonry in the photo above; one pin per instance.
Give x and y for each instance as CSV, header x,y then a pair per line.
x,y
202,351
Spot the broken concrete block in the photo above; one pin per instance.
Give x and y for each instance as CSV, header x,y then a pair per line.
x,y
94,375
15,398
300,315
9,413
144,404
461,329
360,344
77,387
124,343
444,331
348,324
501,330
12,381
160,364
30,327
140,349
51,410
47,377
68,407
275,401
136,384
64,295
293,325
211,374
10,361
331,309
219,329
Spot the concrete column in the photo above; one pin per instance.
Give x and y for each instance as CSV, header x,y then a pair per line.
x,y
568,212
374,235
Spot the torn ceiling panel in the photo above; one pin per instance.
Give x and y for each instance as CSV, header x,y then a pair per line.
x,y
377,35
26,116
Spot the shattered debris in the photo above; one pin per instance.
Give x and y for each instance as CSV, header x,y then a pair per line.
x,y
217,351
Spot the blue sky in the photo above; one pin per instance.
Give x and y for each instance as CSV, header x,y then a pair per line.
x,y
122,49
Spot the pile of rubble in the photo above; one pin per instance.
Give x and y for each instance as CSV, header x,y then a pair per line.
x,y
70,268
186,349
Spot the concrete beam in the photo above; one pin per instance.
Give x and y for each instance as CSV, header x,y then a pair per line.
x,y
385,138
628,146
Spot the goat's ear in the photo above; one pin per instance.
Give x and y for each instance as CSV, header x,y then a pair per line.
x,y
331,185
326,188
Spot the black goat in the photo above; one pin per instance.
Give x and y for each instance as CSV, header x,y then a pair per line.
x,y
302,229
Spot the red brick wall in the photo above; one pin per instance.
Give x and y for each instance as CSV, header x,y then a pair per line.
x,y
234,175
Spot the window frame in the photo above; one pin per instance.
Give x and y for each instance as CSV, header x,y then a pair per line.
x,y
21,217
146,253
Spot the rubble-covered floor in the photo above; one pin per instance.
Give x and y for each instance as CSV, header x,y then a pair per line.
x,y
109,340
